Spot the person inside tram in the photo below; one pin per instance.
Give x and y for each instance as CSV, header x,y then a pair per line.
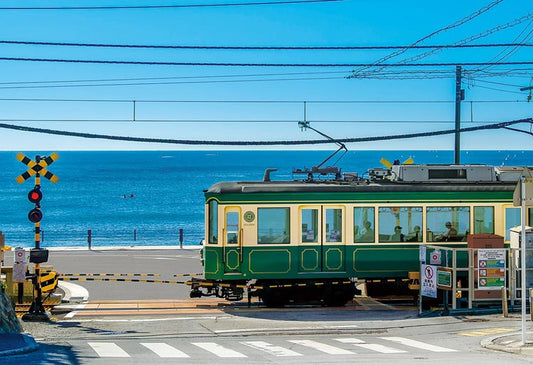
x,y
416,236
366,234
450,233
397,236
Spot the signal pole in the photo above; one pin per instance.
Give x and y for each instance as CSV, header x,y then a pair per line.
x,y
37,254
459,96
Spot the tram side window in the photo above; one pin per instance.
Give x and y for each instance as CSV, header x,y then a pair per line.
x,y
512,219
363,225
484,220
333,225
400,224
450,224
309,225
273,225
213,222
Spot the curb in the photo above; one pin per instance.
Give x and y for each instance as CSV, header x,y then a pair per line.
x,y
513,347
29,345
73,293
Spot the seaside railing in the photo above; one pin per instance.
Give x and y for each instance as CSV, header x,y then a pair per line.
x,y
95,237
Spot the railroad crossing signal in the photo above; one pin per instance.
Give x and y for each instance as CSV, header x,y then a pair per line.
x,y
37,167
37,255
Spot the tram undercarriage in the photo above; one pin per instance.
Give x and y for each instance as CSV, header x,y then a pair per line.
x,y
278,293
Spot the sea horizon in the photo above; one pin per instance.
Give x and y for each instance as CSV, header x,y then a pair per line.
x,y
143,198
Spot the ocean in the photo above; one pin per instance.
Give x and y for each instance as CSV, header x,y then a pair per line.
x,y
144,198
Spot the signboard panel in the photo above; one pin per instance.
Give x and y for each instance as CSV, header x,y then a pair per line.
x,y
444,278
435,257
428,284
491,269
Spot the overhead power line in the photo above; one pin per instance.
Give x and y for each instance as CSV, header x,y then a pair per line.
x,y
238,64
264,143
446,28
264,48
286,2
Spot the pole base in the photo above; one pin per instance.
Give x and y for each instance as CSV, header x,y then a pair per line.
x,y
35,317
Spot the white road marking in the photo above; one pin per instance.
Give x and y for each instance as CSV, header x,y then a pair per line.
x,y
108,349
350,340
371,346
271,349
418,344
328,349
218,350
164,350
380,348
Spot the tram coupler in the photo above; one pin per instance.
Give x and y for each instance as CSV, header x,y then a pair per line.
x,y
196,291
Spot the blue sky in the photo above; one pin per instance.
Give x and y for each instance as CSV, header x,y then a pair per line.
x,y
214,102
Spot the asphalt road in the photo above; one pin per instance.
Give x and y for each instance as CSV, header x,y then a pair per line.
x,y
165,262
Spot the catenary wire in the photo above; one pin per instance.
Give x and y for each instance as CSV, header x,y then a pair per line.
x,y
262,143
107,7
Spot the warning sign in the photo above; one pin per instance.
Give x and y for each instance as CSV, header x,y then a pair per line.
x,y
428,283
491,273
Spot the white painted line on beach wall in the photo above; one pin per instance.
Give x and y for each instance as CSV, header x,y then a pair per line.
x,y
108,349
165,350
218,350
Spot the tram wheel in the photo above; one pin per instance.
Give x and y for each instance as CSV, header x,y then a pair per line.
x,y
339,295
274,298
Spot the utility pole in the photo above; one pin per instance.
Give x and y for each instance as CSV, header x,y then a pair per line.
x,y
459,96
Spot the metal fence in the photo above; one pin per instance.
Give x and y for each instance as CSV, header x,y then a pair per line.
x,y
465,266
107,237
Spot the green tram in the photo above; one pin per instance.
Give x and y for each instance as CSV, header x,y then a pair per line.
x,y
312,239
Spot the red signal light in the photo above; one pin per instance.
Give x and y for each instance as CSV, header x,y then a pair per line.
x,y
35,195
35,215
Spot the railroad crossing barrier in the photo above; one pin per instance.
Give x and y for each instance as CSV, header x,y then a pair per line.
x,y
22,292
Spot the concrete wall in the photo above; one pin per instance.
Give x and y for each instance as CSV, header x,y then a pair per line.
x,y
9,322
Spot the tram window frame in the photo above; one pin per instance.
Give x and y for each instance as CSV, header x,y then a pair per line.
x,y
438,230
309,234
480,221
403,218
362,215
512,220
212,229
334,224
273,239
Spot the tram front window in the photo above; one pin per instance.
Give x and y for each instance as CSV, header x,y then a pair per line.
x,y
448,224
213,222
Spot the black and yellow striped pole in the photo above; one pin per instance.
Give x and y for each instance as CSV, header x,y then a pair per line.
x,y
37,255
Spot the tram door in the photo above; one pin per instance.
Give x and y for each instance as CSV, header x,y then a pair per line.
x,y
322,241
232,241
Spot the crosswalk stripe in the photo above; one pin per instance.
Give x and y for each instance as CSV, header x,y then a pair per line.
x,y
328,349
271,349
108,349
380,348
218,350
164,350
371,346
350,340
418,344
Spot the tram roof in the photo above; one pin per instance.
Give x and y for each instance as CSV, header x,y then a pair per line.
x,y
332,186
